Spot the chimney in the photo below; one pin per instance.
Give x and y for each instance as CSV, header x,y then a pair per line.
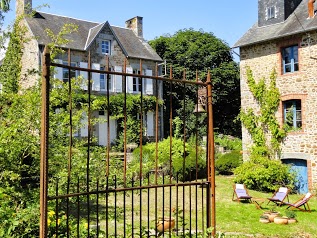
x,y
311,11
135,24
23,7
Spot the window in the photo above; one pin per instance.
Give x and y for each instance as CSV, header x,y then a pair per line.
x,y
66,72
290,59
293,113
137,86
270,13
103,81
105,47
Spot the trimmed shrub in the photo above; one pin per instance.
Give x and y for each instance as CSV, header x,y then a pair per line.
x,y
263,174
183,160
226,163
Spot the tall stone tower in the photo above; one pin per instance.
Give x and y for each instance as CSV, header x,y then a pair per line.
x,y
275,11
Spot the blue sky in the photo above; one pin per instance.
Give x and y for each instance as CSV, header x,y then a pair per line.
x,y
227,20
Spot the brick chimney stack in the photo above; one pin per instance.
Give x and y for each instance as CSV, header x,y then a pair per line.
x,y
135,24
311,12
23,7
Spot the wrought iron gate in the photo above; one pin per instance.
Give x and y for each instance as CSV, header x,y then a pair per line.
x,y
155,203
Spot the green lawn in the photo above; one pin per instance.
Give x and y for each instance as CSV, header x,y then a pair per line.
x,y
233,219
242,219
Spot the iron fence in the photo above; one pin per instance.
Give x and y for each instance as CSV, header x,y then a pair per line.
x,y
156,202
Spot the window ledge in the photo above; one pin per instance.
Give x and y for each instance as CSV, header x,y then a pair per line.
x,y
290,74
300,132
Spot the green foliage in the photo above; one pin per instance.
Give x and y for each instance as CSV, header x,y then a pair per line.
x,y
226,163
259,125
290,214
228,142
58,40
10,70
183,159
5,5
264,174
20,143
201,51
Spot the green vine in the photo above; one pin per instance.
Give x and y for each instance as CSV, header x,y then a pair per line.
x,y
264,123
10,70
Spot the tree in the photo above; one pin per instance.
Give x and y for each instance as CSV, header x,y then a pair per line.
x,y
4,5
200,51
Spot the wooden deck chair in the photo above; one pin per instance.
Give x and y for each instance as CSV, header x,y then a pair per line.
x,y
241,193
279,196
302,202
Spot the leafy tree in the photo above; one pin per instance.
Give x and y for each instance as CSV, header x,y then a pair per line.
x,y
5,5
200,51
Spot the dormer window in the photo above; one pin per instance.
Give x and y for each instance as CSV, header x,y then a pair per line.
x,y
270,13
105,47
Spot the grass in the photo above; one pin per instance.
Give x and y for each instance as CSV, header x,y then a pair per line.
x,y
240,219
233,219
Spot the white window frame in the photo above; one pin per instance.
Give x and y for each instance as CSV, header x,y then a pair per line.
x,y
136,82
73,73
270,12
106,47
290,58
103,78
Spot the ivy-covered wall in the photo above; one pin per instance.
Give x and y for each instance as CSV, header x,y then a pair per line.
x,y
262,58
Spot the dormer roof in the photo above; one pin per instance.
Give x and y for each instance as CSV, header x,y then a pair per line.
x,y
132,45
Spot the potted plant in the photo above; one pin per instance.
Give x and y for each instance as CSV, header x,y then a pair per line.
x,y
165,224
291,215
264,219
272,213
281,220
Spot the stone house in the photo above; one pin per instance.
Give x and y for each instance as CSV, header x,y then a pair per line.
x,y
284,38
101,39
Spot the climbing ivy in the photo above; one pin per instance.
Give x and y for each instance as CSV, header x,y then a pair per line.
x,y
262,172
10,70
265,122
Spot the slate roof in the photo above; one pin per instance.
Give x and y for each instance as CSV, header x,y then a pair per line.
x,y
296,23
131,45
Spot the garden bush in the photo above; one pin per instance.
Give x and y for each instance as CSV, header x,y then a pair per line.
x,y
264,174
228,142
180,158
226,163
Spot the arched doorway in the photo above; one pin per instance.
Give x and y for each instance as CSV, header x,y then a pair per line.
x,y
300,167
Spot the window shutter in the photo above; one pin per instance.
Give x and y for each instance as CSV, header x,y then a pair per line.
x,y
103,130
58,70
84,128
150,123
84,75
118,79
148,83
129,80
95,77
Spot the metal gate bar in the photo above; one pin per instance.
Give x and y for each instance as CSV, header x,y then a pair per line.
x,y
113,192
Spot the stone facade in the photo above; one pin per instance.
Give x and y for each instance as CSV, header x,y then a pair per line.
x,y
302,84
117,59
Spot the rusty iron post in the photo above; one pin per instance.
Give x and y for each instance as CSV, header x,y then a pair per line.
x,y
211,156
44,142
